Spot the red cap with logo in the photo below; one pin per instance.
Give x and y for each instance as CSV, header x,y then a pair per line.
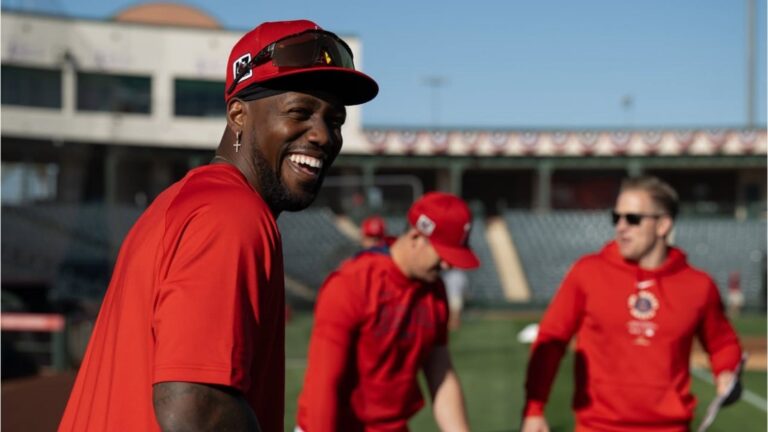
x,y
375,227
297,53
445,220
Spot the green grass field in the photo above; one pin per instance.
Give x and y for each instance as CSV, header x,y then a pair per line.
x,y
491,364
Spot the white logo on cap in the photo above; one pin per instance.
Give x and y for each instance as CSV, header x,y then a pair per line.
x,y
241,63
425,225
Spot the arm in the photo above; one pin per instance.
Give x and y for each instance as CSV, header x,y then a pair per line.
x,y
204,327
719,340
534,424
729,385
333,333
447,397
723,381
183,406
560,322
327,360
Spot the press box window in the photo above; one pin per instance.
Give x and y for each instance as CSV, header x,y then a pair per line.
x,y
32,87
198,98
113,93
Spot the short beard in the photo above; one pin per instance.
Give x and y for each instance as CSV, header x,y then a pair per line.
x,y
276,195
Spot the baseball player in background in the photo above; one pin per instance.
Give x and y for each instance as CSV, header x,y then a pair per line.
x,y
373,232
635,307
190,335
380,319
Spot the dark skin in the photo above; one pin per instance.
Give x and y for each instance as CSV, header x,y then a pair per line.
x,y
273,129
288,142
185,406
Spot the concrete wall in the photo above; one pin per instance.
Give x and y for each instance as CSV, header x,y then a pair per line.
x,y
163,53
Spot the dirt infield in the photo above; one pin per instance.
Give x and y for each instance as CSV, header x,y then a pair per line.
x,y
35,404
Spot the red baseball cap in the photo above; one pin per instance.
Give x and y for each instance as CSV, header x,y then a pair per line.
x,y
374,226
297,54
445,220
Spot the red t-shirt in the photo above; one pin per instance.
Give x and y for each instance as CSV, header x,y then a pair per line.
x,y
373,331
196,296
635,330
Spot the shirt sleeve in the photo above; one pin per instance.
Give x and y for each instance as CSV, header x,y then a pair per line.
x,y
206,304
717,335
559,324
339,311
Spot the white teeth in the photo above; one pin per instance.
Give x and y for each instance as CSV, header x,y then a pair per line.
x,y
306,160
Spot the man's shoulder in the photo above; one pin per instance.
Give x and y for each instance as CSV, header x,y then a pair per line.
x,y
362,272
696,275
218,188
369,260
590,260
357,277
214,194
221,180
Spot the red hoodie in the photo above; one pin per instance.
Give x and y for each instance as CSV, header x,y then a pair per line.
x,y
373,332
635,330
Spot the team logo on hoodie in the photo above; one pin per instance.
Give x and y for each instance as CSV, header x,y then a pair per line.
x,y
643,305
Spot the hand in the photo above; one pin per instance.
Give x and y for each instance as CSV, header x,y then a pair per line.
x,y
535,424
723,381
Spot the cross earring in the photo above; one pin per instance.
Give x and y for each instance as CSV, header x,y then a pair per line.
x,y
237,143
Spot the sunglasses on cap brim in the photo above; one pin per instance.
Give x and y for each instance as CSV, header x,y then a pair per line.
x,y
310,48
632,218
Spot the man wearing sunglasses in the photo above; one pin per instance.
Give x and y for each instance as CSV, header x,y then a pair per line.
x,y
380,319
191,332
636,307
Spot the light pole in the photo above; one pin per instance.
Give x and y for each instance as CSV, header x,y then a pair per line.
x,y
627,101
435,83
751,88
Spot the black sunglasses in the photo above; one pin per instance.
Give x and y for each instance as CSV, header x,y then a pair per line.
x,y
632,218
310,48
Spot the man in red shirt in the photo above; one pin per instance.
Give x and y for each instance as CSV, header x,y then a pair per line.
x,y
635,307
190,335
382,317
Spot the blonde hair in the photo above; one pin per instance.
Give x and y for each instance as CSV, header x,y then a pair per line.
x,y
660,191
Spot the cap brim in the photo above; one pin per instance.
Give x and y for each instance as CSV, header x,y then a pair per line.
x,y
458,257
350,86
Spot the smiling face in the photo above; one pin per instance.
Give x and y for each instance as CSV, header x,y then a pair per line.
x,y
289,142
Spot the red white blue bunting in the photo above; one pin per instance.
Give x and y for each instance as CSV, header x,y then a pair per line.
x,y
538,143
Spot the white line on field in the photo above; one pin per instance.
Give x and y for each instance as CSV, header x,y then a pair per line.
x,y
746,395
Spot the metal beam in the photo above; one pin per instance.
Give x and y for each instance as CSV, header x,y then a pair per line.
x,y
544,187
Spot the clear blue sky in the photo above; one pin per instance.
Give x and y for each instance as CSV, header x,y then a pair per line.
x,y
520,64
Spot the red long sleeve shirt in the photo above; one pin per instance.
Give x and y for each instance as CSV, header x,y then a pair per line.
x,y
635,331
373,331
